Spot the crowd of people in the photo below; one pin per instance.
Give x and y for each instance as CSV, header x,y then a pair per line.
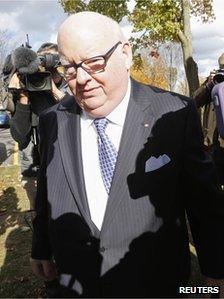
x,y
212,140
119,165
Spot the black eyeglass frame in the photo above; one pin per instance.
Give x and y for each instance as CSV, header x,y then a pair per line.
x,y
105,57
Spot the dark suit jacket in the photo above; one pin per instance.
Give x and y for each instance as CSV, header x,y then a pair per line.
x,y
142,249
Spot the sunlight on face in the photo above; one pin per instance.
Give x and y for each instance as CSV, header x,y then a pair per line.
x,y
98,93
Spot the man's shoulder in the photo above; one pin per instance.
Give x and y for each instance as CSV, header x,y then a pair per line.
x,y
160,98
67,103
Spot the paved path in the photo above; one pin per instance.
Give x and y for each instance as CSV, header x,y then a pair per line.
x,y
8,148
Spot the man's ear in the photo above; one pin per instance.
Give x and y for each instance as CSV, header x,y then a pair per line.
x,y
127,51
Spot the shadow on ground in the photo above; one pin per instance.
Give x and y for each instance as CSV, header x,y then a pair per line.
x,y
16,278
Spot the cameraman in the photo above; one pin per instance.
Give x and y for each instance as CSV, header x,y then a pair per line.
x,y
212,140
29,105
24,126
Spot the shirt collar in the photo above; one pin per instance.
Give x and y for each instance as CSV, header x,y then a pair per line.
x,y
117,116
87,119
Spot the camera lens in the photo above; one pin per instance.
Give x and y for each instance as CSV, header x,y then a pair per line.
x,y
37,80
218,78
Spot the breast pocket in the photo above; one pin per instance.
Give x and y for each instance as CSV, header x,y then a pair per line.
x,y
158,180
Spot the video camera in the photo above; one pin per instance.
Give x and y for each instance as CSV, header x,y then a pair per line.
x,y
33,69
40,79
219,76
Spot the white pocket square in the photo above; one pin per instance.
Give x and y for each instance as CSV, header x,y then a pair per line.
x,y
154,163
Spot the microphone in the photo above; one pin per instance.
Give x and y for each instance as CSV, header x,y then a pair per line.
x,y
7,66
25,60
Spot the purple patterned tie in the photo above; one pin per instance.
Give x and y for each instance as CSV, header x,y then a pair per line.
x,y
107,152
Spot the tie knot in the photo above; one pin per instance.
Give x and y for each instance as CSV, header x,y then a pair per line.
x,y
100,124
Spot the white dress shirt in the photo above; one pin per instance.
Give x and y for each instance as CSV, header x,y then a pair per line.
x,y
95,190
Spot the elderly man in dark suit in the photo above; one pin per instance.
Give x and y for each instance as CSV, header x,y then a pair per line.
x,y
122,164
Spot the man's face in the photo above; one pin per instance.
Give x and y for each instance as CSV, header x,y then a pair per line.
x,y
98,93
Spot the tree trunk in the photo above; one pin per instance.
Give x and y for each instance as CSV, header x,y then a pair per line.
x,y
191,68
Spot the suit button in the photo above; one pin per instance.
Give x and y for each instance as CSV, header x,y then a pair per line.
x,y
88,243
102,249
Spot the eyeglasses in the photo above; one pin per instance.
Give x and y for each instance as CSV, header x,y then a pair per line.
x,y
91,65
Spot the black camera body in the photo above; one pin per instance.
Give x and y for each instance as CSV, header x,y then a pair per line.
x,y
34,70
219,76
41,80
49,61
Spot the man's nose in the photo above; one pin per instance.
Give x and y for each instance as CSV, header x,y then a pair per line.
x,y
82,77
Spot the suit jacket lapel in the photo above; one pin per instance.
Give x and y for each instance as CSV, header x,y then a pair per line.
x,y
137,127
70,149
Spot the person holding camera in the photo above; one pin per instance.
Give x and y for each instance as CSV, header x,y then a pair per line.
x,y
35,83
212,140
30,103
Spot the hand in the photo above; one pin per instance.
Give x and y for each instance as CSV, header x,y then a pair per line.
x,y
15,83
44,269
23,97
58,94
